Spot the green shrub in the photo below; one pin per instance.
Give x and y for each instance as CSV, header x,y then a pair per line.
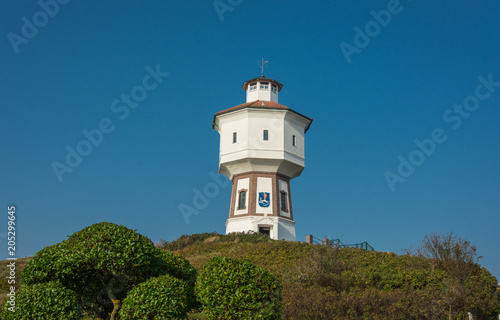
x,y
182,269
164,297
44,301
235,289
100,263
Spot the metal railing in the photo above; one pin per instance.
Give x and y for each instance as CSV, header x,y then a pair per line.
x,y
362,245
336,243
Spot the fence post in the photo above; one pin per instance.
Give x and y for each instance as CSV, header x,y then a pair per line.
x,y
309,238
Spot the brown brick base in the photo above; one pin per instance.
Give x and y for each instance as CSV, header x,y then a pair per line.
x,y
252,194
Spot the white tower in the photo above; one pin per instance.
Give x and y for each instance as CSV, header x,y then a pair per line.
x,y
261,150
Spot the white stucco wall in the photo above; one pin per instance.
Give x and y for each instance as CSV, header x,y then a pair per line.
x,y
249,125
286,230
273,122
241,224
281,228
251,152
293,126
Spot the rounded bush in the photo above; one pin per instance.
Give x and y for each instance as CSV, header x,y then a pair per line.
x,y
234,289
182,269
179,267
48,300
164,297
60,263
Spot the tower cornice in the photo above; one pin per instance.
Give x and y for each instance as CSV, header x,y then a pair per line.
x,y
258,104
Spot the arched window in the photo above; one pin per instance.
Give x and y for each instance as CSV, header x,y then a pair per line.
x,y
242,199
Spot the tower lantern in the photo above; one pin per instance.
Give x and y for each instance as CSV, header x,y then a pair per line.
x,y
261,150
262,88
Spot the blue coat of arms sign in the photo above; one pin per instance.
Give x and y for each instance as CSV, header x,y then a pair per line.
x,y
264,199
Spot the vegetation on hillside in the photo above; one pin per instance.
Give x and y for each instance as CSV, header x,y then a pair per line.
x,y
441,279
331,283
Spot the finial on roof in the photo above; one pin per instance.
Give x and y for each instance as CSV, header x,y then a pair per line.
x,y
261,64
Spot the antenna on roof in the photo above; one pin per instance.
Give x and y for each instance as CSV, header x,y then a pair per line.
x,y
262,64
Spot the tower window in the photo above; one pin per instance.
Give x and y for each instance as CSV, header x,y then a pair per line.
x,y
235,137
266,135
242,200
284,201
294,141
253,86
274,89
264,85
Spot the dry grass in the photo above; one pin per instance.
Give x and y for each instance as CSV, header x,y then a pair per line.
x,y
5,273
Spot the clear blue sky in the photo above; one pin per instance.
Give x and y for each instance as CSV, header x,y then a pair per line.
x,y
369,103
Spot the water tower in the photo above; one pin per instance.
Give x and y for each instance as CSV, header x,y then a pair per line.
x,y
261,150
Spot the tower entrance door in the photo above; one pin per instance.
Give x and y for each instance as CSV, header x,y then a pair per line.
x,y
265,230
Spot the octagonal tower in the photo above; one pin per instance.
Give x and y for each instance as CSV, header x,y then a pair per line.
x,y
261,150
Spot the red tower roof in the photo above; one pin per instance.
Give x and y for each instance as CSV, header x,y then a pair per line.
x,y
258,104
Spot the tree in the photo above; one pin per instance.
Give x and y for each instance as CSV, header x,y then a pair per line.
x,y
467,287
448,247
450,252
100,263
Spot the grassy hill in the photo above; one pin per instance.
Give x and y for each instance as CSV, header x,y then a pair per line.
x,y
5,273
331,283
